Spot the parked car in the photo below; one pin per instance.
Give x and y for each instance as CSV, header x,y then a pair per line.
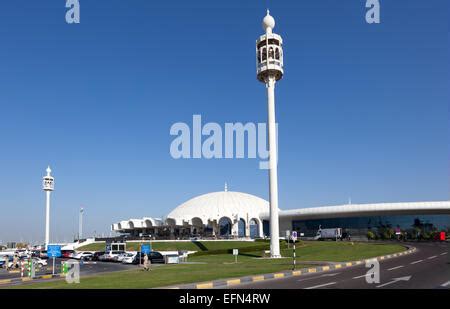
x,y
67,253
40,262
122,256
129,257
110,256
154,257
43,254
95,256
84,255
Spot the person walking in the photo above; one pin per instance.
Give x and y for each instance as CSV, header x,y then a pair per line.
x,y
146,263
6,259
15,261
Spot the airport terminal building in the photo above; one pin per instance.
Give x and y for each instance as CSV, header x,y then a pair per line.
x,y
229,214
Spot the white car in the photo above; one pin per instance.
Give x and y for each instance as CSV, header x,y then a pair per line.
x,y
129,258
110,256
122,256
83,255
40,262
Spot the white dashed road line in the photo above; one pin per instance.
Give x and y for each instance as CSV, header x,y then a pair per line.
x,y
320,286
432,257
446,284
361,276
443,253
397,267
415,262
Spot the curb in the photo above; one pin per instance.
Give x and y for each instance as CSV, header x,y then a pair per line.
x,y
284,274
27,279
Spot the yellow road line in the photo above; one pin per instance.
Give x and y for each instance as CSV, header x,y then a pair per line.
x,y
278,275
349,264
4,281
296,273
337,266
46,277
26,279
311,270
325,268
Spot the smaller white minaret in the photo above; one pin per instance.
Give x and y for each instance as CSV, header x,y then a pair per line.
x,y
269,70
48,186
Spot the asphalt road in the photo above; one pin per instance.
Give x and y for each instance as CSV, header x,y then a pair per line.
x,y
427,268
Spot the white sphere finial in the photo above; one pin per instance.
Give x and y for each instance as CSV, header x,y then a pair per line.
x,y
268,22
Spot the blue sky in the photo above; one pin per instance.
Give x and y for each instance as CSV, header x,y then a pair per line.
x,y
362,109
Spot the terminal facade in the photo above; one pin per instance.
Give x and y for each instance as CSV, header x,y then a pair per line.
x,y
236,215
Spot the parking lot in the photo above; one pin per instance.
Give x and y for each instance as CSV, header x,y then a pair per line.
x,y
86,268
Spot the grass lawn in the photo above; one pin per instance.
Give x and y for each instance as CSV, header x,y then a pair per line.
x,y
220,266
185,245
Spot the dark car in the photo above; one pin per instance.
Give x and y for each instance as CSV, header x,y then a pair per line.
x,y
154,258
95,256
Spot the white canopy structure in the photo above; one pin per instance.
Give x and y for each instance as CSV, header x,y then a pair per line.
x,y
217,214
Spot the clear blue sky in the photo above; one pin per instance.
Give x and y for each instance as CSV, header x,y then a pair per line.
x,y
363,109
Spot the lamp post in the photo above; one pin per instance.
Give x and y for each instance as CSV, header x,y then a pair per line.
x,y
80,224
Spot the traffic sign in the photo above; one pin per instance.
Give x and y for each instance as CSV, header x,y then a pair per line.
x,y
294,235
146,249
53,251
235,252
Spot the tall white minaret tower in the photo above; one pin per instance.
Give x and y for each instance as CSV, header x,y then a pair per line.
x,y
269,69
48,186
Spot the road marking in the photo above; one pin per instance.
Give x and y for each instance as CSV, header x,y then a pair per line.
x,y
415,262
395,280
432,257
395,267
444,253
279,275
311,270
296,273
319,286
330,275
361,276
325,268
446,284
348,264
337,266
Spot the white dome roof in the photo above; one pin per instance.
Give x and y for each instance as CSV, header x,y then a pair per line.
x,y
215,205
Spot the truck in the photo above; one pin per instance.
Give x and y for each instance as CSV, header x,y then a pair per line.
x,y
333,233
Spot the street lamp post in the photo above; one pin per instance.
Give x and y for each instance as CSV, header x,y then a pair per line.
x,y
80,224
